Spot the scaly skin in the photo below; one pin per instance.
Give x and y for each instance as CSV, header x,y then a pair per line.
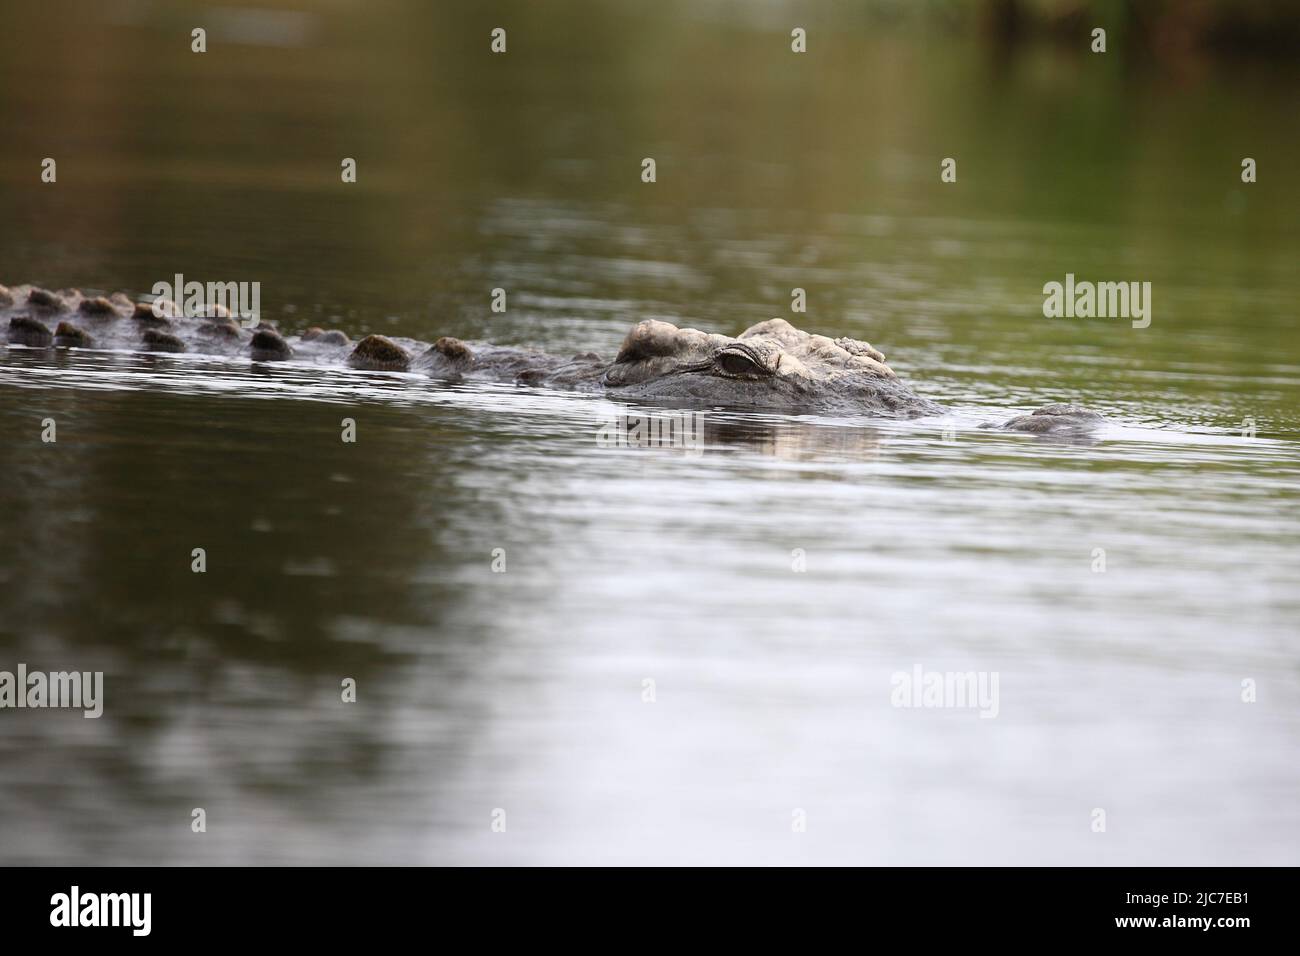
x,y
771,365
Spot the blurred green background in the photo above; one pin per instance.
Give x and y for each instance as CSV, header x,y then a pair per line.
x,y
522,170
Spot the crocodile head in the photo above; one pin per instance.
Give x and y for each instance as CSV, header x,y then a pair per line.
x,y
769,365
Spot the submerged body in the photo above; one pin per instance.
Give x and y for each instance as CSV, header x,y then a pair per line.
x,y
771,365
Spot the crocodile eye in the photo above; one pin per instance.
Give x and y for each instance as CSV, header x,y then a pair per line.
x,y
736,362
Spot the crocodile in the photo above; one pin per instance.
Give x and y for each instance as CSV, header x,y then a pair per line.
x,y
770,366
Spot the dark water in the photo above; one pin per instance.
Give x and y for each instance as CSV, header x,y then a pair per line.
x,y
928,543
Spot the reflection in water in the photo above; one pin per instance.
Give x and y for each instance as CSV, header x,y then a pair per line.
x,y
501,581
695,433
